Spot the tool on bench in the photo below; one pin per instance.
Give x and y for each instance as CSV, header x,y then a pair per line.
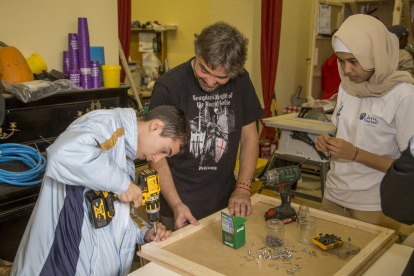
x,y
283,178
315,113
100,204
303,136
335,245
327,241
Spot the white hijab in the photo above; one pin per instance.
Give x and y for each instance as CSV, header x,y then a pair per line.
x,y
376,49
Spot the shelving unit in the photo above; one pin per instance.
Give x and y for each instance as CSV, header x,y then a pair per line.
x,y
322,46
389,12
406,21
134,44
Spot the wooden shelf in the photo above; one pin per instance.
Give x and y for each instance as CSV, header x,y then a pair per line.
x,y
375,2
169,28
323,37
162,36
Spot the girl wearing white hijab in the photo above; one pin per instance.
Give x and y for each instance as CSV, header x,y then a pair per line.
x,y
374,119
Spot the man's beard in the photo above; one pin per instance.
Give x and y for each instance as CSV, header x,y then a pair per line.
x,y
200,84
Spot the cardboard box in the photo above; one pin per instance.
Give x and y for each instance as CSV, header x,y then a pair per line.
x,y
233,230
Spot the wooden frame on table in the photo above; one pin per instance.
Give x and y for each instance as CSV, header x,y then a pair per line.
x,y
155,252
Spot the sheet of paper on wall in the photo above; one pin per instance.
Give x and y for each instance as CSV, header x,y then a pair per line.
x,y
412,13
324,19
145,42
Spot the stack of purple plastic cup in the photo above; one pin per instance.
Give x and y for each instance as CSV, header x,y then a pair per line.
x,y
74,76
95,74
66,62
84,53
73,52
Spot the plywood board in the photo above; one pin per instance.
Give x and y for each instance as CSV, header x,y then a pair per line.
x,y
293,122
198,250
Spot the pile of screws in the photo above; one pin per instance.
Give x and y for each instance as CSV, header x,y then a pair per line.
x,y
286,255
328,239
294,269
273,241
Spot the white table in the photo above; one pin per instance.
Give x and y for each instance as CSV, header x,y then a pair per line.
x,y
153,269
392,262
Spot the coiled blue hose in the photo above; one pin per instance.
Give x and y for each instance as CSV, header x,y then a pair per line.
x,y
27,155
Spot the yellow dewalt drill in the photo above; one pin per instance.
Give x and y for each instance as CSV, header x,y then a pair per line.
x,y
101,204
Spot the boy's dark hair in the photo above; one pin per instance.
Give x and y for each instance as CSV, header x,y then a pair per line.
x,y
222,45
176,124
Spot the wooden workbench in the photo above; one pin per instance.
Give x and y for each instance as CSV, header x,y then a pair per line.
x,y
293,122
198,250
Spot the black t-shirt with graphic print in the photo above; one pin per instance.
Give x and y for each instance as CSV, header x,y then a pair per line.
x,y
204,176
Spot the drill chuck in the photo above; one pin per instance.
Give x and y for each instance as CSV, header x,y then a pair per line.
x,y
277,176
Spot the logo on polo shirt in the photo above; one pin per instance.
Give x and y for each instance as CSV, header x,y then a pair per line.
x,y
368,120
339,112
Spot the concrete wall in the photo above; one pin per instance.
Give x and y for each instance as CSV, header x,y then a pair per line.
x,y
190,16
42,27
295,43
245,15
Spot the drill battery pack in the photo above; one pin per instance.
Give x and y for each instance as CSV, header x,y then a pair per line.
x,y
100,208
285,214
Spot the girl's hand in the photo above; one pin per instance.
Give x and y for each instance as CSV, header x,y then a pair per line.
x,y
339,148
320,143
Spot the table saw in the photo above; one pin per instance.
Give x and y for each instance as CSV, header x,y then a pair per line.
x,y
297,151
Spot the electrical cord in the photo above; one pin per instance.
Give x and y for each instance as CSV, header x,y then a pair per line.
x,y
27,155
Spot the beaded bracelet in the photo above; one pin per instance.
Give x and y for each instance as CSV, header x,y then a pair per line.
x,y
356,153
244,184
243,188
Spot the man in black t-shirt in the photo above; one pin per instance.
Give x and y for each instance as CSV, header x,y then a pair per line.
x,y
216,93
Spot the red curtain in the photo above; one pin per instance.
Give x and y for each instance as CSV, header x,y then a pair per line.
x,y
124,29
269,53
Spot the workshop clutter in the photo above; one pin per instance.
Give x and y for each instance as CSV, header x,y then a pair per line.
x,y
36,64
267,147
81,70
98,53
233,230
96,74
306,229
13,66
111,75
275,233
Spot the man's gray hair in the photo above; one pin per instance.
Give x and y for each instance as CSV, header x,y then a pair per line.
x,y
222,45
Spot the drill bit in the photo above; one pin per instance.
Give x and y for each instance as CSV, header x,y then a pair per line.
x,y
155,228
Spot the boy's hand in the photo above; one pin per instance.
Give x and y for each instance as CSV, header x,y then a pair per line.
x,y
132,195
162,234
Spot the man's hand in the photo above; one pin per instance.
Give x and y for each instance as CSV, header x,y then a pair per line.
x,y
183,216
336,147
162,234
132,195
239,203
